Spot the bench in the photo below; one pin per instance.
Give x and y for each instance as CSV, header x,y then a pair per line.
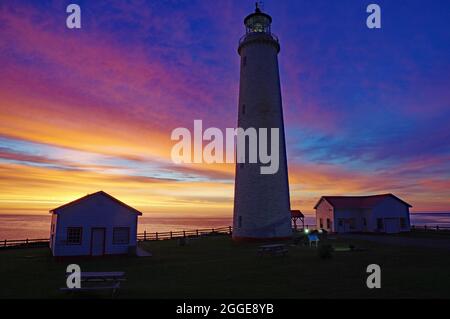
x,y
97,281
272,250
110,286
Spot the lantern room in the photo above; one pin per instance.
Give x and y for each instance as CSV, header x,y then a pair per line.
x,y
258,22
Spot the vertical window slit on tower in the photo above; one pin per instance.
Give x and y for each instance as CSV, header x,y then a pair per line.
x,y
240,221
244,61
243,108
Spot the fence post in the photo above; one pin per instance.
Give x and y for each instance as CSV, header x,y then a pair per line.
x,y
213,230
229,230
156,236
425,227
26,242
145,235
184,233
171,235
5,242
197,232
437,227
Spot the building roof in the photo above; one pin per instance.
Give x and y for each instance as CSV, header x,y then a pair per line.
x,y
297,213
257,12
56,210
357,201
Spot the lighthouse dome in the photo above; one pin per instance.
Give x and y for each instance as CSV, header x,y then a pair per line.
x,y
258,21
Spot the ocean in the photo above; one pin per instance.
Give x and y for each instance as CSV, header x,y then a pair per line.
x,y
38,226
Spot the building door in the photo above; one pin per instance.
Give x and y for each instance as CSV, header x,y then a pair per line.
x,y
98,241
391,225
342,226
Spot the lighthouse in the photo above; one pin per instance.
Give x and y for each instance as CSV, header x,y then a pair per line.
x,y
261,201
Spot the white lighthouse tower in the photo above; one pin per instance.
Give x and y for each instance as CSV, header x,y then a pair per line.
x,y
261,201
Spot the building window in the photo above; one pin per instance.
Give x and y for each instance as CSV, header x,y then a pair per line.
x,y
121,235
74,235
240,222
328,223
243,109
321,223
380,224
365,221
340,222
403,222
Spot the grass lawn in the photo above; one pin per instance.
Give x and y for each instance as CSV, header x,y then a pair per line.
x,y
426,234
215,267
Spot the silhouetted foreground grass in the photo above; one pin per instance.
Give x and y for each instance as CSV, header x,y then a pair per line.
x,y
215,267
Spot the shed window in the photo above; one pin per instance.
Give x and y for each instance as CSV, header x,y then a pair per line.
x,y
74,235
328,223
321,223
121,235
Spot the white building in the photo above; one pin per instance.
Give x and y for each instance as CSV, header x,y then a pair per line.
x,y
377,213
96,224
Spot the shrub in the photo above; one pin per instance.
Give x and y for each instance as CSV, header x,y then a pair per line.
x,y
325,251
301,240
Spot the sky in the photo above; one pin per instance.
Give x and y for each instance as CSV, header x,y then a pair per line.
x,y
81,110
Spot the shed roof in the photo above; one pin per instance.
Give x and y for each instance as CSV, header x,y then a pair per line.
x,y
357,201
297,213
100,193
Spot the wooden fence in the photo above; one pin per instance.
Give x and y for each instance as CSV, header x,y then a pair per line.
x,y
17,243
151,236
430,228
146,236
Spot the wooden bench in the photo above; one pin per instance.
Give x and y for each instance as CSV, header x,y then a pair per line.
x,y
97,281
110,286
272,250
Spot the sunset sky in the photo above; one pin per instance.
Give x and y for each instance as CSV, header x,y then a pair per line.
x,y
366,111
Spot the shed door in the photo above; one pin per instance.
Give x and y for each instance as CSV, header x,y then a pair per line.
x,y
392,225
343,226
98,241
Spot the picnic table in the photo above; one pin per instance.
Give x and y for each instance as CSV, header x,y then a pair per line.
x,y
91,281
273,250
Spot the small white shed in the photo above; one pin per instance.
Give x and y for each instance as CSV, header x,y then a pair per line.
x,y
94,225
384,213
